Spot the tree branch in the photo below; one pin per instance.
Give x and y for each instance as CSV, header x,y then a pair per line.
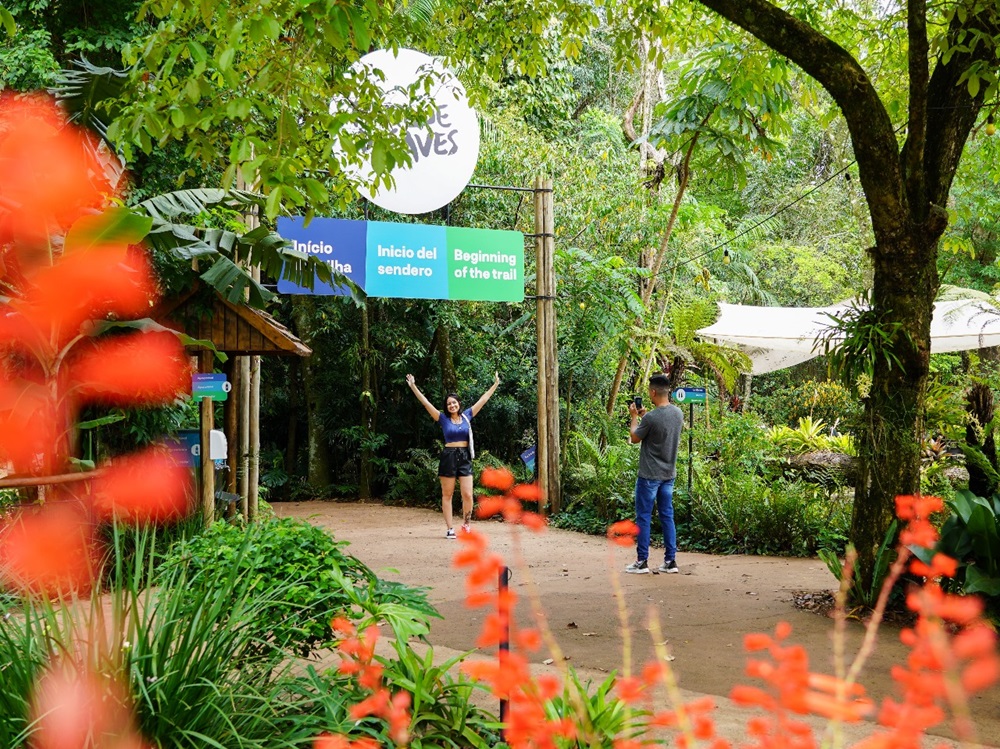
x,y
954,113
845,80
916,136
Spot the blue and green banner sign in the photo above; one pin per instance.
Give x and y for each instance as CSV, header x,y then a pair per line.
x,y
412,261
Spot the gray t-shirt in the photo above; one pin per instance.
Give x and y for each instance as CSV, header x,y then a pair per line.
x,y
660,431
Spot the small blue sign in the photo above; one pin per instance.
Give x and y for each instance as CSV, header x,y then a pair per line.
x,y
689,395
528,458
214,386
186,448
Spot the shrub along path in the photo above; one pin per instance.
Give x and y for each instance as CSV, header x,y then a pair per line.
x,y
705,610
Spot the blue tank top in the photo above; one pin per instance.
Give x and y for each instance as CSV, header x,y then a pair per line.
x,y
455,432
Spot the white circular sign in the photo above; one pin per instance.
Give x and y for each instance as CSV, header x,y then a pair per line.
x,y
443,152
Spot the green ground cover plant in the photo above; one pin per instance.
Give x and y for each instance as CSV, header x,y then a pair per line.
x,y
317,580
211,653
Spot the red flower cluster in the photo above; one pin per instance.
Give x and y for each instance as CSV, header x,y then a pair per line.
x,y
952,649
623,533
509,503
52,183
357,650
509,677
75,710
793,690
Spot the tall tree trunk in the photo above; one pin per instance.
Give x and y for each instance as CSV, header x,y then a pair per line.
x,y
656,264
906,190
369,407
905,285
318,474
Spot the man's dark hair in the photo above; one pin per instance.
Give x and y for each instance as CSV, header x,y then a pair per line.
x,y
660,384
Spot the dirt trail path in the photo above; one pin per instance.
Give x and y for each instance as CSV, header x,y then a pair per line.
x,y
705,610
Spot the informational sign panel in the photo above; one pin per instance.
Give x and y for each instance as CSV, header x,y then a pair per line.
x,y
412,261
214,386
528,458
689,395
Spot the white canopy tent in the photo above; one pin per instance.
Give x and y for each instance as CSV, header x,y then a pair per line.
x,y
779,337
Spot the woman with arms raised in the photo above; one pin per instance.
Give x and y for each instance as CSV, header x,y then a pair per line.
x,y
459,449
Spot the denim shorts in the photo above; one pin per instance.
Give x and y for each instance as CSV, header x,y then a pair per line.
x,y
455,462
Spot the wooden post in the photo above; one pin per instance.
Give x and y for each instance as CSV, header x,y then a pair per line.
x,y
548,458
231,412
243,397
249,398
207,413
254,479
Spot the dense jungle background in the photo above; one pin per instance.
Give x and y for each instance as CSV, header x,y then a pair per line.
x,y
714,150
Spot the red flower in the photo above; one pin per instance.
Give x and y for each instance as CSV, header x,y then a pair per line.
x,y
529,639
49,171
533,521
623,532
51,550
144,487
527,492
497,478
489,506
629,689
146,368
78,711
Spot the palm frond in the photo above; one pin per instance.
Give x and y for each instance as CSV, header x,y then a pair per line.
x,y
193,202
419,11
89,94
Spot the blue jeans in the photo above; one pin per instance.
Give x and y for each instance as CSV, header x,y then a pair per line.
x,y
647,493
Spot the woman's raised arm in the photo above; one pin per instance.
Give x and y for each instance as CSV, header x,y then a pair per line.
x,y
487,395
434,413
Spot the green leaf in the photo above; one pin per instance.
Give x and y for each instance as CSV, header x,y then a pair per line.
x,y
272,207
103,421
226,58
230,280
973,85
7,20
146,325
121,226
977,581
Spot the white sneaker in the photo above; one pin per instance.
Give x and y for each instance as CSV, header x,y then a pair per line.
x,y
450,533
669,567
638,567
466,528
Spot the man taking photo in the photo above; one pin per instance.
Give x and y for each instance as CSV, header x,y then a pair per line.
x,y
659,435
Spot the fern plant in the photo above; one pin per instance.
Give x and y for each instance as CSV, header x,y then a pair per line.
x,y
601,480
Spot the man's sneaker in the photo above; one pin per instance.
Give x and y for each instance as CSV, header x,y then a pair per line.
x,y
670,567
466,528
450,533
638,567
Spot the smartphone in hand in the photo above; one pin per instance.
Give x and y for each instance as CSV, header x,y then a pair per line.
x,y
638,402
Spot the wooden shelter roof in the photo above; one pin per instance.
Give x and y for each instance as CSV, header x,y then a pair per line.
x,y
233,328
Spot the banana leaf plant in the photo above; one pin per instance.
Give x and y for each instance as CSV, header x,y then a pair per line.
x,y
90,94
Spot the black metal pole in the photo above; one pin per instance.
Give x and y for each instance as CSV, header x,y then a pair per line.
x,y
690,450
504,645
